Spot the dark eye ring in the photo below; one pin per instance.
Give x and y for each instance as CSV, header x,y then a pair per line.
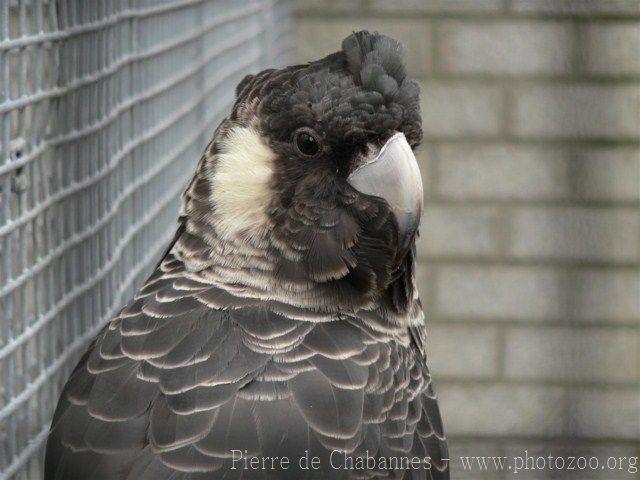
x,y
307,142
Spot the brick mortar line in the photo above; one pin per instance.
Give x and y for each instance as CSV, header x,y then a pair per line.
x,y
549,324
578,50
523,79
436,34
560,440
429,303
442,199
434,172
532,260
501,353
507,109
532,140
468,381
494,16
502,228
561,263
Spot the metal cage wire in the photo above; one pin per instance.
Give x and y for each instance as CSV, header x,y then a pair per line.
x,y
105,107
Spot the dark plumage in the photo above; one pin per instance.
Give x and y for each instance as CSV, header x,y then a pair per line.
x,y
284,317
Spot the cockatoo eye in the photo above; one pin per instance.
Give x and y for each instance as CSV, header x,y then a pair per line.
x,y
307,142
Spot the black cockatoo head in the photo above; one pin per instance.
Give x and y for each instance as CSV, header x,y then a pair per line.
x,y
309,193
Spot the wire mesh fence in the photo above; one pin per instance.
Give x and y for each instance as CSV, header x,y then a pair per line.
x,y
105,106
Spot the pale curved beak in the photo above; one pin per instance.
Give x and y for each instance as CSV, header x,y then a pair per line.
x,y
393,174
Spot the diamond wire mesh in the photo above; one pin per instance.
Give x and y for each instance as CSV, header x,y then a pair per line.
x,y
105,106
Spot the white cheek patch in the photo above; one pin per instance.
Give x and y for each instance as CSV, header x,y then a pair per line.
x,y
240,184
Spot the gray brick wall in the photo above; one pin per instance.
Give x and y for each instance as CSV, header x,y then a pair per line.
x,y
529,248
